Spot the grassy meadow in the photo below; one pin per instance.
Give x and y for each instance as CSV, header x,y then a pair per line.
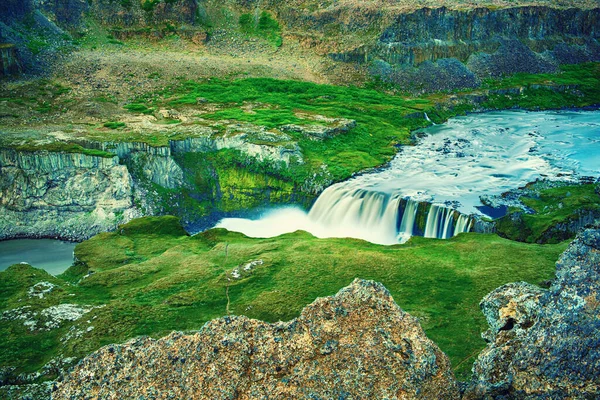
x,y
153,278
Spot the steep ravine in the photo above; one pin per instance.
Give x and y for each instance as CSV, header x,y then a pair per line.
x,y
74,196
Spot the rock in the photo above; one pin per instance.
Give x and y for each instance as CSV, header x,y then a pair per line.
x,y
40,289
334,127
48,318
545,343
432,49
356,344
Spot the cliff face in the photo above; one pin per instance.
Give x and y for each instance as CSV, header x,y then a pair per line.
x,y
421,49
9,64
137,13
66,195
453,48
544,343
356,344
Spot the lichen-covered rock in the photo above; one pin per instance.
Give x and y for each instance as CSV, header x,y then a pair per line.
x,y
48,318
334,127
356,344
545,343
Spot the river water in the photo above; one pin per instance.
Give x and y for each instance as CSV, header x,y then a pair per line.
x,y
443,176
54,256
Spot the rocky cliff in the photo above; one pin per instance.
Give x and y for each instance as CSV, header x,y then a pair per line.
x,y
74,196
29,40
442,46
433,49
356,344
9,64
67,195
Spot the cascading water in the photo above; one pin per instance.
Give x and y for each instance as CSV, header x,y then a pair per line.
x,y
409,217
380,217
357,212
432,189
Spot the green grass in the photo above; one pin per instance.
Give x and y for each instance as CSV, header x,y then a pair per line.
x,y
62,147
269,118
265,27
138,108
114,125
154,279
552,206
574,86
379,116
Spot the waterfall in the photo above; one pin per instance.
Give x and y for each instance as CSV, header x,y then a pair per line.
x,y
357,213
427,119
440,222
408,217
382,218
463,224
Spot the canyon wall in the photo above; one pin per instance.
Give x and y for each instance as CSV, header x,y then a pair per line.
x,y
443,49
74,196
425,49
67,195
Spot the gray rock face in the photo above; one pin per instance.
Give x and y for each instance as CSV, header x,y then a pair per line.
x,y
356,344
9,64
545,343
68,195
424,50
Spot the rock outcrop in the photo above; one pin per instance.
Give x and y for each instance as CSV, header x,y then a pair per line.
x,y
140,13
356,344
545,343
74,196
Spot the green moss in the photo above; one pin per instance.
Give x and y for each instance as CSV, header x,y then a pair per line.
x,y
59,147
552,207
148,5
265,26
269,118
138,108
114,125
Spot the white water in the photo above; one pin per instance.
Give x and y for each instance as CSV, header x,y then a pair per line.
x,y
451,167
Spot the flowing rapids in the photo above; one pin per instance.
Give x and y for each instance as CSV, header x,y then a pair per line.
x,y
432,189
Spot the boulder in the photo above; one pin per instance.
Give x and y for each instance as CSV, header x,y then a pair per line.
x,y
356,344
545,343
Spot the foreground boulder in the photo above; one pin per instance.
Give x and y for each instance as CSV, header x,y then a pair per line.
x,y
545,344
356,344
